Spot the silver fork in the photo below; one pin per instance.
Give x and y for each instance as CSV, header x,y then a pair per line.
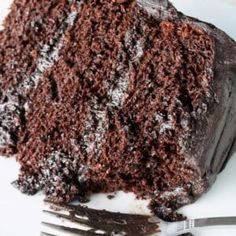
x,y
80,220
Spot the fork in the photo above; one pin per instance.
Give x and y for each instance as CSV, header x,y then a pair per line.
x,y
80,220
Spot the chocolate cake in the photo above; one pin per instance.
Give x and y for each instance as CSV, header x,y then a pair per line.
x,y
106,95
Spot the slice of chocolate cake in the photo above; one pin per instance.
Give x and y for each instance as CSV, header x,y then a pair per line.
x,y
101,95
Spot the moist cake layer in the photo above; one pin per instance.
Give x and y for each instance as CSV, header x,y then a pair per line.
x,y
30,30
115,95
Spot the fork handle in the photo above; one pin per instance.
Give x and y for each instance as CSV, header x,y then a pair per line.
x,y
170,229
216,221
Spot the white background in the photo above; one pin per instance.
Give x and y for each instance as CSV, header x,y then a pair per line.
x,y
20,215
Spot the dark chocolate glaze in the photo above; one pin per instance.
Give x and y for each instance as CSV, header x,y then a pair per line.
x,y
214,139
218,134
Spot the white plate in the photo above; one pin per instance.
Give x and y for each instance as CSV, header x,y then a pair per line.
x,y
20,215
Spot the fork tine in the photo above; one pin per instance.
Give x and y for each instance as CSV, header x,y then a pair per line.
x,y
109,222
80,221
103,225
100,214
72,231
105,221
46,234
